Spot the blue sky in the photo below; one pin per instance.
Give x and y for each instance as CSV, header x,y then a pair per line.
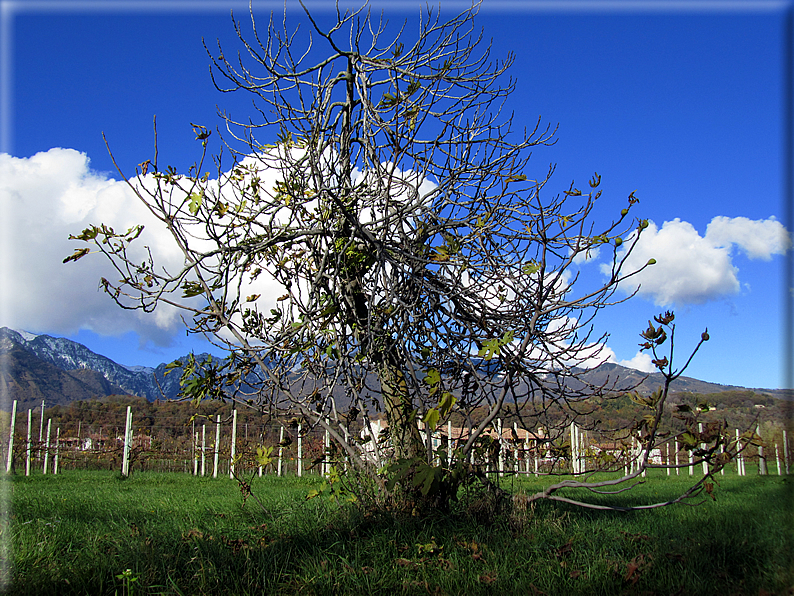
x,y
683,102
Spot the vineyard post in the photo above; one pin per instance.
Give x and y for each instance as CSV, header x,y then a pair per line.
x,y
632,452
57,450
125,466
326,451
11,439
217,445
280,448
667,457
777,459
738,455
300,451
703,446
516,449
449,442
501,448
262,437
27,451
722,469
234,443
785,450
639,455
195,453
762,471
41,425
47,445
203,448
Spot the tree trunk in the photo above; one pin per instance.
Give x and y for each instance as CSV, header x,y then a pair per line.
x,y
400,414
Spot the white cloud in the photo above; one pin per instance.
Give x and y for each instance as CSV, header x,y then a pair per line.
x,y
758,239
45,198
587,256
51,195
692,269
641,362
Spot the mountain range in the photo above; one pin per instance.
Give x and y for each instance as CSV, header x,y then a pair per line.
x,y
58,370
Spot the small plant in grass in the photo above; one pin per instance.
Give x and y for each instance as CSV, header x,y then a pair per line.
x,y
128,581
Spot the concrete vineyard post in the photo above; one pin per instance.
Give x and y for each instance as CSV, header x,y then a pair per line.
x,y
300,451
57,450
217,445
326,452
631,456
640,455
722,469
47,445
762,471
203,448
740,458
691,464
501,448
195,453
41,423
280,448
234,443
703,446
777,459
11,437
675,456
667,457
262,437
574,453
785,450
449,442
27,450
125,462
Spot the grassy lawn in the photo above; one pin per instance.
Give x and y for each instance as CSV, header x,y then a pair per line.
x,y
76,532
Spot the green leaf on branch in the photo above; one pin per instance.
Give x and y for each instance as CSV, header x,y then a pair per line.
x,y
447,402
195,203
531,268
688,439
87,234
431,418
263,455
78,254
191,288
433,378
493,347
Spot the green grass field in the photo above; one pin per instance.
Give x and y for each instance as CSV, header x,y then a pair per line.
x,y
77,532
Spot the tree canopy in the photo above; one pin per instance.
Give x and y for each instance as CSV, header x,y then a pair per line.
x,y
423,269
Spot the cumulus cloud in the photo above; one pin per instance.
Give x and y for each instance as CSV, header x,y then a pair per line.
x,y
44,199
47,197
693,269
641,362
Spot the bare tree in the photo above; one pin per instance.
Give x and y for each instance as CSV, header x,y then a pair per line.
x,y
424,271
